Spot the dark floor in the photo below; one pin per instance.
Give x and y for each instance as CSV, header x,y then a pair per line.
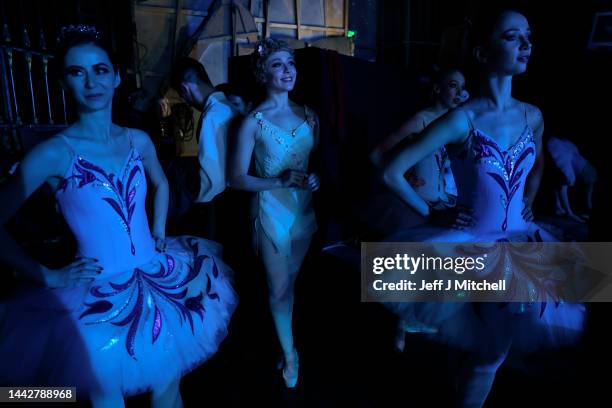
x,y
347,358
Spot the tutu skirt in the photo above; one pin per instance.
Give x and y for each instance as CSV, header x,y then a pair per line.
x,y
137,330
489,328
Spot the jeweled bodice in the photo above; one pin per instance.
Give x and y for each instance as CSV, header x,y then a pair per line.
x,y
491,180
277,149
106,212
281,212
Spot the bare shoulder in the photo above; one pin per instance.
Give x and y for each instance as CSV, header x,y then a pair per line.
x,y
138,135
454,126
250,123
54,150
422,116
251,119
49,159
460,117
294,105
261,108
471,109
415,124
141,139
534,115
54,147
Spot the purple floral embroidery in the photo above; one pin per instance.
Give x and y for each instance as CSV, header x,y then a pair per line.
x,y
85,177
140,286
150,290
507,162
482,147
123,201
195,305
100,306
540,279
157,324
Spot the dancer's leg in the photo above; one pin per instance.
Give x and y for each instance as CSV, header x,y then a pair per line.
x,y
169,397
477,379
280,296
282,272
107,401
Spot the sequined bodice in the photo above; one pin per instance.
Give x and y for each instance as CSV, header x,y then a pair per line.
x,y
277,149
106,212
283,212
491,180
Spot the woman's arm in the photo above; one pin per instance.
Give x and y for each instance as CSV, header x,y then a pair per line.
x,y
158,181
450,128
44,161
411,127
316,129
532,183
241,159
315,156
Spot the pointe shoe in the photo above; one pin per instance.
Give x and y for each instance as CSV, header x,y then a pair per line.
x,y
414,326
411,326
400,341
291,376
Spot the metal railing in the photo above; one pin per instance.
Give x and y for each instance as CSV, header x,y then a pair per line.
x,y
30,99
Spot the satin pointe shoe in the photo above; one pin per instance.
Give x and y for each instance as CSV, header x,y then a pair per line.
x,y
400,339
290,370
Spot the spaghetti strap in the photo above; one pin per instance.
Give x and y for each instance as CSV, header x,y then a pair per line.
x,y
129,132
70,149
525,112
472,128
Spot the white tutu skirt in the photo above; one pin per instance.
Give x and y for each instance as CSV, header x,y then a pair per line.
x,y
128,333
490,328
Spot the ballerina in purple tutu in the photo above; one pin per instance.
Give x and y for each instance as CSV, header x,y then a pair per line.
x,y
136,310
495,146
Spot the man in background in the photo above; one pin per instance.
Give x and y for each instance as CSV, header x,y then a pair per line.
x,y
217,122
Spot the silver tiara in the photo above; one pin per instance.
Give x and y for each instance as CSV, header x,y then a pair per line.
x,y
68,30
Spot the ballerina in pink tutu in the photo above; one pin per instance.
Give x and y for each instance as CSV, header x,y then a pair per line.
x,y
495,145
136,310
